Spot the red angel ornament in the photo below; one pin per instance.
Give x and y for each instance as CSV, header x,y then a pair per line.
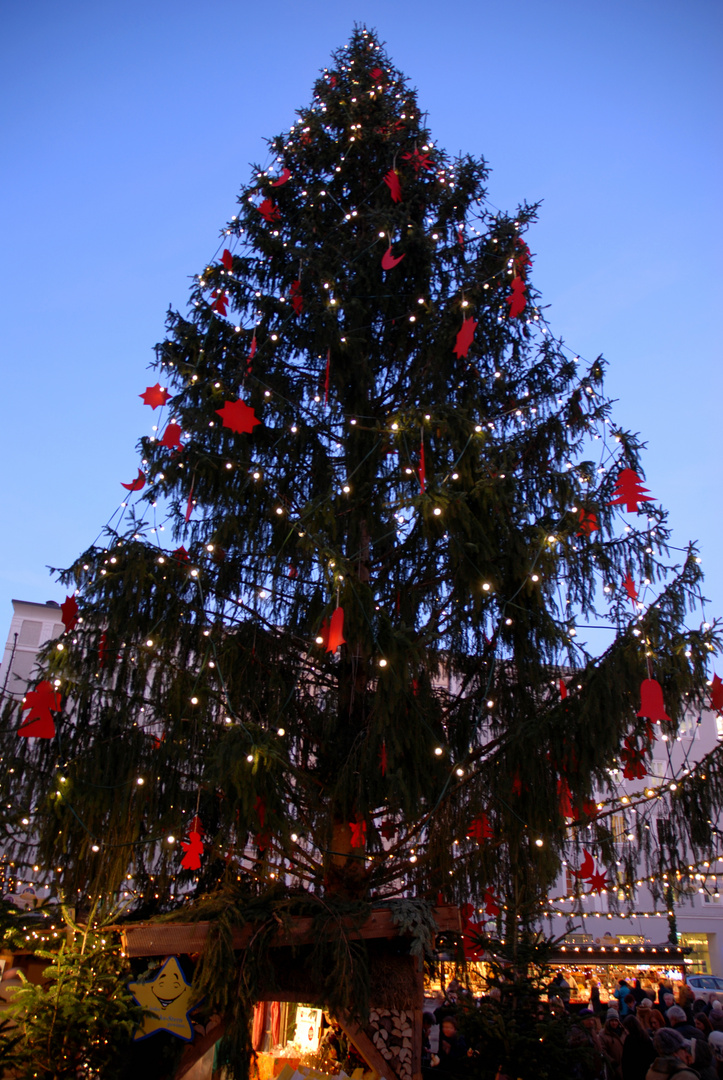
x,y
269,211
193,848
517,298
41,701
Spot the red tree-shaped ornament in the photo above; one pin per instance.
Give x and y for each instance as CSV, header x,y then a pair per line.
x,y
629,490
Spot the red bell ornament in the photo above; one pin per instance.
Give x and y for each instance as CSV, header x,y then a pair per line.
x,y
651,701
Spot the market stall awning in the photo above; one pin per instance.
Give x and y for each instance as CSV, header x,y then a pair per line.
x,y
648,955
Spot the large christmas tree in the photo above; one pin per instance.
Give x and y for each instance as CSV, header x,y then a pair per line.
x,y
335,642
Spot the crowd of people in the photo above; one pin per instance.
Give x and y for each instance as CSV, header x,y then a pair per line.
x,y
644,1039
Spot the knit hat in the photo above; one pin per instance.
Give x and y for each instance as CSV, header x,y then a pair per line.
x,y
586,1012
612,1014
717,1006
715,1042
667,1042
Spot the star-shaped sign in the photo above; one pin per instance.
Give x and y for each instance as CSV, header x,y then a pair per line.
x,y
465,337
630,587
69,613
168,999
238,416
41,701
155,396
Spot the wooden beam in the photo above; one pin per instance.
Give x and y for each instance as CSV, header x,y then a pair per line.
x,y
174,939
200,1046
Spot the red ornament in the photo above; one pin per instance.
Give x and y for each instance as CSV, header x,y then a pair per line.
x,y
181,554
238,416
333,634
193,848
460,236
598,883
389,261
418,160
269,211
252,354
716,694
630,587
285,175
41,701
358,832
522,259
376,73
630,491
492,907
227,259
297,300
220,301
260,808
189,504
564,797
422,466
383,757
633,760
465,337
395,188
480,829
137,484
172,437
588,523
563,689
517,298
69,613
388,830
587,867
651,701
102,649
155,396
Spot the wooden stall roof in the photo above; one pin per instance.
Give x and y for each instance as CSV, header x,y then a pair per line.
x,y
174,939
649,955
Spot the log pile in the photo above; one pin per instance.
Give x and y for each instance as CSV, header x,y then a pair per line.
x,y
392,1032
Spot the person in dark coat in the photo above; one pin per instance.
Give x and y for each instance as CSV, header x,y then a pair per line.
x,y
674,1057
678,1020
638,1052
452,1048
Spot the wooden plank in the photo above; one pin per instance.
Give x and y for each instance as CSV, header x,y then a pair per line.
x,y
366,1048
173,939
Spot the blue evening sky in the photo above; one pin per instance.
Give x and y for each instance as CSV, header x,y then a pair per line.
x,y
128,127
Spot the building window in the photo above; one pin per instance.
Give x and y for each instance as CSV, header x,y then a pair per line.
x,y
30,630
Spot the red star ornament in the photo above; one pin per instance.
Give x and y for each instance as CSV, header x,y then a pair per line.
x,y
238,416
155,396
69,613
172,437
395,188
465,337
598,883
193,848
517,298
716,694
418,160
41,701
137,484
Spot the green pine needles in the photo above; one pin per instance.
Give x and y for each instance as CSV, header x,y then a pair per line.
x,y
433,461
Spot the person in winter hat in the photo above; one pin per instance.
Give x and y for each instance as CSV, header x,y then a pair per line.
x,y
678,1020
715,1042
612,1037
674,1057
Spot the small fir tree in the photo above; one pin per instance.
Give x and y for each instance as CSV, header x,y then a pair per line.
x,y
337,630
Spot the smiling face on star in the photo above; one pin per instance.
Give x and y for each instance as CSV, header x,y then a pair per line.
x,y
168,986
